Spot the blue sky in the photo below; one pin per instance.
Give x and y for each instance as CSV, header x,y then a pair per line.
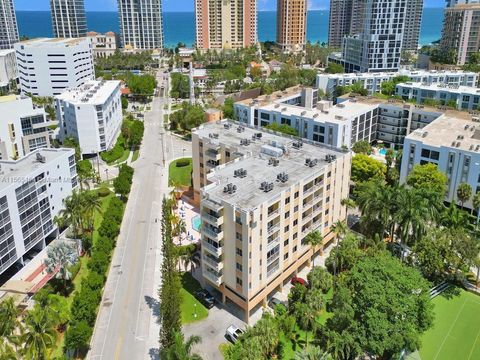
x,y
175,5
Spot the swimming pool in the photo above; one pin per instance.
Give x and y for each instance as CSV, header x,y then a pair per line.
x,y
196,223
382,151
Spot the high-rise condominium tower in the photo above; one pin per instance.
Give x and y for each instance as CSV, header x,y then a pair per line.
x,y
68,18
461,32
291,24
225,24
347,17
141,24
8,25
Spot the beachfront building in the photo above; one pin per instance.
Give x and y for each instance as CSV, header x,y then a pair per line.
x,y
141,24
104,45
8,71
32,192
460,97
461,32
68,18
292,25
373,81
47,67
225,24
23,129
92,114
8,25
452,144
346,18
258,208
338,126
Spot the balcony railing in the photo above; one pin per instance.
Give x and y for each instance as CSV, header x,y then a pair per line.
x,y
211,233
273,213
273,228
217,251
217,265
211,219
213,276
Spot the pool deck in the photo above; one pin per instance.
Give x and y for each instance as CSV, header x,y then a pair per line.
x,y
187,212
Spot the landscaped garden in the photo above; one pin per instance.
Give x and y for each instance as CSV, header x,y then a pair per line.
x,y
180,172
456,329
192,309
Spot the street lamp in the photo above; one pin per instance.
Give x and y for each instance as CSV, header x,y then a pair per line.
x,y
106,172
184,151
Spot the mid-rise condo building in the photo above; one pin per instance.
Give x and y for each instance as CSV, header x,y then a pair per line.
x,y
258,207
92,114
373,81
68,18
32,192
141,24
47,67
292,25
8,25
460,97
23,127
461,32
225,24
453,144
104,45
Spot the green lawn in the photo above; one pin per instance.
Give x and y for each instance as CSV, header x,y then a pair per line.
x,y
188,308
456,330
124,157
180,175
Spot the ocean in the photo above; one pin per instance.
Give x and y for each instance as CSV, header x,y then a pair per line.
x,y
180,26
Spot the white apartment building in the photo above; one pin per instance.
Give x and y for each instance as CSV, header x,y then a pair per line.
x,y
8,25
141,24
32,190
23,127
258,207
8,69
104,45
68,18
338,126
451,143
373,81
463,97
47,67
91,113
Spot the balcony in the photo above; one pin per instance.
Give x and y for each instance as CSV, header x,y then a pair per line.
x,y
308,191
273,228
273,213
212,205
212,233
217,251
211,219
273,242
213,154
212,164
217,265
212,275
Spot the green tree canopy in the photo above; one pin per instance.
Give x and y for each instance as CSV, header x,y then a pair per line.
x,y
334,68
283,128
362,147
428,177
365,168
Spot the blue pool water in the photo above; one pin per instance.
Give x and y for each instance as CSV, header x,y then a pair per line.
x,y
196,223
383,151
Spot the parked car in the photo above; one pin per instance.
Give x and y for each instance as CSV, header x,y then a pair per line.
x,y
205,298
274,302
298,281
233,333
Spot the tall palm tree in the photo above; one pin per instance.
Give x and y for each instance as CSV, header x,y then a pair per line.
x,y
182,350
59,258
349,204
314,239
454,218
311,353
6,350
72,213
476,206
91,204
464,193
8,317
39,334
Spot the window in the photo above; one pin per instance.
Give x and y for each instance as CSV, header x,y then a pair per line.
x,y
287,200
295,248
287,214
295,209
227,153
239,252
239,281
296,195
295,222
285,243
286,228
425,153
285,257
239,267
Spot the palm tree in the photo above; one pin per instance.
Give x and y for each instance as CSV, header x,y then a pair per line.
x,y
6,351
182,350
39,334
314,239
72,212
349,204
454,218
59,258
312,353
476,205
91,204
340,229
8,317
464,193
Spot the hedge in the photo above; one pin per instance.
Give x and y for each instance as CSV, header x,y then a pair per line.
x,y
116,152
183,163
103,192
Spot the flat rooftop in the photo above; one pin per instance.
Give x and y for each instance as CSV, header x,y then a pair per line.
x,y
442,87
257,155
93,92
448,131
275,96
18,171
399,73
40,42
5,52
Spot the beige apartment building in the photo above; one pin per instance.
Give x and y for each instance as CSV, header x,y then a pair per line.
x,y
104,45
291,25
225,24
461,31
263,195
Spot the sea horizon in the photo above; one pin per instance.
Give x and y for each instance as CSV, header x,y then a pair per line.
x,y
34,23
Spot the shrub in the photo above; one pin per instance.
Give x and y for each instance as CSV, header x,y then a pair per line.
x,y
116,152
103,192
104,244
93,281
84,305
109,228
183,162
77,337
74,269
99,262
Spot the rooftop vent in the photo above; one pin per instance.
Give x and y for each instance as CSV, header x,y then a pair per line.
x,y
458,144
240,129
311,162
230,189
240,173
282,177
460,137
40,158
266,186
477,148
466,127
424,134
273,162
330,158
303,113
297,144
213,136
227,126
341,106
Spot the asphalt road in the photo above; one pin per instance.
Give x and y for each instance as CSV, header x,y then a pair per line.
x,y
126,326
